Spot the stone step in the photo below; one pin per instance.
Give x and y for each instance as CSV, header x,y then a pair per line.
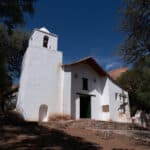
x,y
94,124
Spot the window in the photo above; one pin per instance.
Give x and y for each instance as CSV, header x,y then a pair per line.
x,y
94,80
105,108
75,75
116,95
45,41
84,83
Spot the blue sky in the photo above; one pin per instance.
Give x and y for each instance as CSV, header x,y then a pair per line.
x,y
85,28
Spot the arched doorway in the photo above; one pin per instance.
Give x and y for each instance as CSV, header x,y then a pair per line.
x,y
43,113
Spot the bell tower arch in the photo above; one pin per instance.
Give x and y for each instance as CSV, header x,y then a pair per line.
x,y
44,39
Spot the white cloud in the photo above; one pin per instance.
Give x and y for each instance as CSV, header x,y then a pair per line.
x,y
109,63
112,66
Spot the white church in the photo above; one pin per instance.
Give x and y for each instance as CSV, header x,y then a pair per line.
x,y
81,89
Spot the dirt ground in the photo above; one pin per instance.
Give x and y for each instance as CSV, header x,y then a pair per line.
x,y
31,136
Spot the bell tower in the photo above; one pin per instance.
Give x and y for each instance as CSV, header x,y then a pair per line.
x,y
41,77
43,38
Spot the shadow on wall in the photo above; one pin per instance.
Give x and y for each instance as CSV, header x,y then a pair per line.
x,y
32,136
102,85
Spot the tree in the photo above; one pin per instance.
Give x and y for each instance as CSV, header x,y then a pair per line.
x,y
12,12
18,43
136,24
12,42
12,48
137,82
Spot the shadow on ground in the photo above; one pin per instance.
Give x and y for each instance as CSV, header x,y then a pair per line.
x,y
121,149
22,136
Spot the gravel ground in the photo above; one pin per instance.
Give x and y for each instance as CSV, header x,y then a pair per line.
x,y
26,136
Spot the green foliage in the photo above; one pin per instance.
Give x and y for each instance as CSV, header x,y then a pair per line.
x,y
12,11
12,42
136,24
12,48
5,80
137,82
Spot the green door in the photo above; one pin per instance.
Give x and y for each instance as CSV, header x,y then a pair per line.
x,y
85,107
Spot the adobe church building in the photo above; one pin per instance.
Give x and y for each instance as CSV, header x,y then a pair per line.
x,y
81,89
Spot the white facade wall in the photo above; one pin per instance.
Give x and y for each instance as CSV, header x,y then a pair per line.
x,y
103,89
115,102
85,71
67,92
105,99
41,80
36,40
44,81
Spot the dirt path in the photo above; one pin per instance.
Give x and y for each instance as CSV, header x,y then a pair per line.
x,y
108,140
31,136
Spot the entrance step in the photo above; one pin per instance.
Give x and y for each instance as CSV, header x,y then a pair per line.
x,y
94,124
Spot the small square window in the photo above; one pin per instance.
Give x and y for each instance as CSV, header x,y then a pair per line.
x,y
94,80
75,75
84,83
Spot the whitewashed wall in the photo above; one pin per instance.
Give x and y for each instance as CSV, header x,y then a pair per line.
x,y
67,92
45,81
115,102
103,89
36,40
105,99
41,79
84,71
